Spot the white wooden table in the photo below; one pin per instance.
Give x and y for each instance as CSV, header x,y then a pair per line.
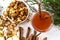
x,y
52,34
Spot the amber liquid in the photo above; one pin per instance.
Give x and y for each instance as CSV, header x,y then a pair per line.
x,y
41,23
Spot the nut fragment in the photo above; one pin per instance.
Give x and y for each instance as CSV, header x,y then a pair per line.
x,y
5,13
14,24
9,33
10,28
23,17
1,23
1,27
28,20
18,20
14,33
15,7
7,23
21,13
4,18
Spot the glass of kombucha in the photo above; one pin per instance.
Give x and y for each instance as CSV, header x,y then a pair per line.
x,y
42,22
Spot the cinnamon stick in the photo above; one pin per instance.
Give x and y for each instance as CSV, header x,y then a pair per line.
x,y
27,39
28,32
20,33
39,9
35,33
34,37
37,38
31,37
5,38
45,38
23,38
38,34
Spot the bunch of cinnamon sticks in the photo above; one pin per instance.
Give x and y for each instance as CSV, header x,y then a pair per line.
x,y
29,36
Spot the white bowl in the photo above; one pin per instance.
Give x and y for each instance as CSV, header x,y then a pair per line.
x,y
24,3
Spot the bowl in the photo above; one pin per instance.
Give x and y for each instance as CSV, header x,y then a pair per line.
x,y
17,15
